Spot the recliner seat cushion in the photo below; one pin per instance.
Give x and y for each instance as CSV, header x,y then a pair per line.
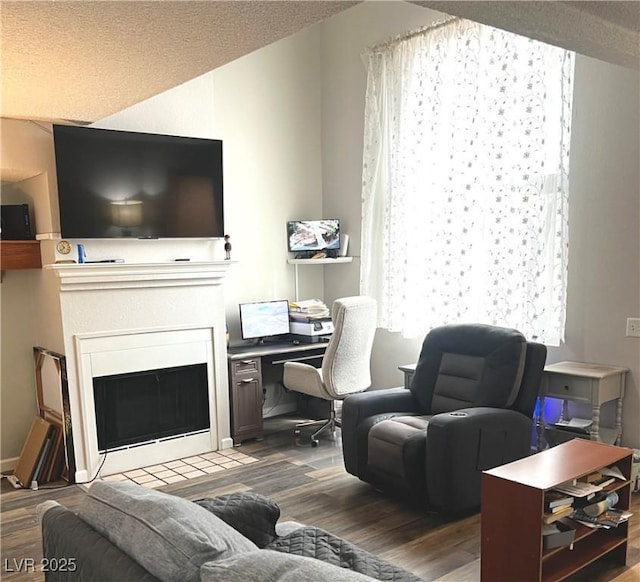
x,y
464,366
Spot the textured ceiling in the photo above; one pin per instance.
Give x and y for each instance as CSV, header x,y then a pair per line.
x,y
85,60
609,31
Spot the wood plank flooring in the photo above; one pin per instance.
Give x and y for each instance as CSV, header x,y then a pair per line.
x,y
311,486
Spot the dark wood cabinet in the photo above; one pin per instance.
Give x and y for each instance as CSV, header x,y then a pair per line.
x,y
512,507
245,384
251,368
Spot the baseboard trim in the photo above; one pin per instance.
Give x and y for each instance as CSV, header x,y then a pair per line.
x,y
8,465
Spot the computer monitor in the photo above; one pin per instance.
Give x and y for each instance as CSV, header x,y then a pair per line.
x,y
264,319
313,235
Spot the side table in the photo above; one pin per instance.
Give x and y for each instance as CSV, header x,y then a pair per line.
x,y
408,370
593,384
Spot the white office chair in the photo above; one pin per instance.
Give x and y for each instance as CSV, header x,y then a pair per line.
x,y
346,362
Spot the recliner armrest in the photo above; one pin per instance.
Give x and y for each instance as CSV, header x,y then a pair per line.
x,y
365,404
356,409
462,444
479,417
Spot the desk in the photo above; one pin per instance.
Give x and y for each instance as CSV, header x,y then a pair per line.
x,y
248,365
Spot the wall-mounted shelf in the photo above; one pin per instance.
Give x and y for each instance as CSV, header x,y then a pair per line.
x,y
297,262
319,261
20,254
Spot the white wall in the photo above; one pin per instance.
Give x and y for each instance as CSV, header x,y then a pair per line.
x,y
267,111
346,38
604,259
604,228
19,333
27,167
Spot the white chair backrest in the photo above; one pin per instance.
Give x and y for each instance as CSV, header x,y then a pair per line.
x,y
346,366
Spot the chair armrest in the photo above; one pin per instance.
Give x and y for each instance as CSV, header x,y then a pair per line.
x,y
364,404
480,417
356,409
462,444
304,378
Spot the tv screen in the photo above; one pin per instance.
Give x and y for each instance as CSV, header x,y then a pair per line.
x,y
313,235
118,184
264,319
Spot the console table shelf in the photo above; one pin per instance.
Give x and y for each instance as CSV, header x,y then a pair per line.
x,y
513,504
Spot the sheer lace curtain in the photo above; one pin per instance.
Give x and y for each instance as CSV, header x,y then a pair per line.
x,y
465,181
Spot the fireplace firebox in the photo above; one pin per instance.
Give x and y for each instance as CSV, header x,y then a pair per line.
x,y
150,405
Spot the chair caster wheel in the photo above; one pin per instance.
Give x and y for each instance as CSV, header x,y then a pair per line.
x,y
314,444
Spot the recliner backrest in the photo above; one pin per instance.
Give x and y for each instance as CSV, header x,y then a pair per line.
x,y
346,366
469,365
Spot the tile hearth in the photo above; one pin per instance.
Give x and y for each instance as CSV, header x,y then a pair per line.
x,y
182,469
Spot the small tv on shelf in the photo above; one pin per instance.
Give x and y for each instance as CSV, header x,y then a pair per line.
x,y
313,235
262,320
120,184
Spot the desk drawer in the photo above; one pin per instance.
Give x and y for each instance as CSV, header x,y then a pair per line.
x,y
561,386
247,366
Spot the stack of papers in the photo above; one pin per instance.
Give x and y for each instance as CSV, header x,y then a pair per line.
x,y
576,424
308,309
578,489
606,520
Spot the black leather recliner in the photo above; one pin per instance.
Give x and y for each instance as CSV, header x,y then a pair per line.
x,y
469,408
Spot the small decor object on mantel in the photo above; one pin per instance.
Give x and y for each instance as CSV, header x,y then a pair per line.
x,y
63,247
227,247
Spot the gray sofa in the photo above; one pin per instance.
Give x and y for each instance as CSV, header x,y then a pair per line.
x,y
124,531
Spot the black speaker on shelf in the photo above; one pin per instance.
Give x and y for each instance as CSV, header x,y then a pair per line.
x,y
15,222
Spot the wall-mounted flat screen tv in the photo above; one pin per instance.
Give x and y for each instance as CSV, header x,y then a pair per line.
x,y
313,235
264,319
118,184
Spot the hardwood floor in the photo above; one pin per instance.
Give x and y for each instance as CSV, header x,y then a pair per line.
x,y
311,486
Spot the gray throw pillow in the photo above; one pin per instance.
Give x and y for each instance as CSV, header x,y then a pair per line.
x,y
253,515
271,566
169,536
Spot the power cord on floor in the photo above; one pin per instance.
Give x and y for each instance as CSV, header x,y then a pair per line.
x,y
36,487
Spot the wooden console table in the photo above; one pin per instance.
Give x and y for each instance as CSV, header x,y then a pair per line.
x,y
512,507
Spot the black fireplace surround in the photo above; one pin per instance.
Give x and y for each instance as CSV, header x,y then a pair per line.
x,y
139,407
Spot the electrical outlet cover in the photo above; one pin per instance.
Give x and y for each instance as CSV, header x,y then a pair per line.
x,y
633,326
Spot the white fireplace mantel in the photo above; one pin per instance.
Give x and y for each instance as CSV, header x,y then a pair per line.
x,y
141,314
93,276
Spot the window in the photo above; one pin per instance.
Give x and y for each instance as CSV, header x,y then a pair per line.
x,y
465,181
